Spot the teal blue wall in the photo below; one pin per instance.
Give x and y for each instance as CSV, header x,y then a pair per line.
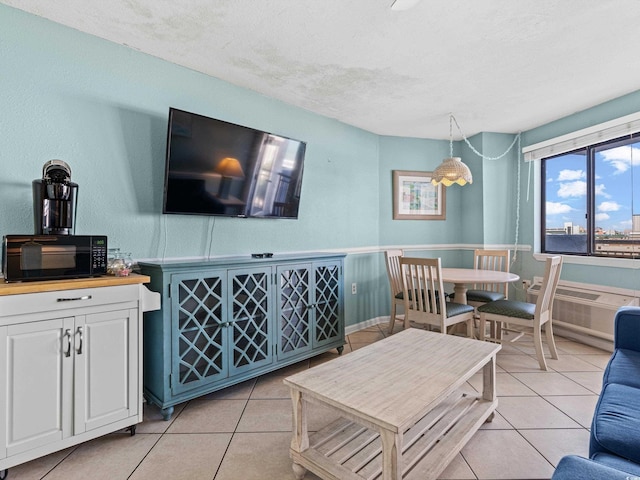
x,y
610,276
421,155
103,109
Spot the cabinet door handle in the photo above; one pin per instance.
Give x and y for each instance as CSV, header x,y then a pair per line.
x,y
79,349
75,299
67,333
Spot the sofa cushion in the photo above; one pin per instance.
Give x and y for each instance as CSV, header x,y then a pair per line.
x,y
618,463
624,368
573,467
616,422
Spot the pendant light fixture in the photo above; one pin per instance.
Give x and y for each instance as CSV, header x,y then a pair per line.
x,y
451,170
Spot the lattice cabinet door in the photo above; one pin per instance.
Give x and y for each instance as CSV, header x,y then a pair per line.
x,y
295,308
329,319
199,329
250,298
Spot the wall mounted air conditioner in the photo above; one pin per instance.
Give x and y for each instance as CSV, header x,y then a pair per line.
x,y
584,311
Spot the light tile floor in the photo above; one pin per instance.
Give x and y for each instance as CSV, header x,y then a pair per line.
x,y
243,432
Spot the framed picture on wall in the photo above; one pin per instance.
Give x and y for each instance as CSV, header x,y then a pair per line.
x,y
415,198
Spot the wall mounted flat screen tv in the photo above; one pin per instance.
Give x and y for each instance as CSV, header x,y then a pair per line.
x,y
215,167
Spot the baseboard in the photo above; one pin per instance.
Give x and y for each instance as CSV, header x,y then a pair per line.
x,y
348,330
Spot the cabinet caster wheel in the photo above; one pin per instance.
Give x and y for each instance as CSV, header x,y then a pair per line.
x,y
340,350
131,429
4,474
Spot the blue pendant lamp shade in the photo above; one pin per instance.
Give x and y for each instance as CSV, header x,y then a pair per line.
x,y
451,170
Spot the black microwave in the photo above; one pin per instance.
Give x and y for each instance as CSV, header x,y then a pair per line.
x,y
53,257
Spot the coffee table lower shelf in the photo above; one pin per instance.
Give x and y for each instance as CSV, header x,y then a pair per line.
x,y
347,450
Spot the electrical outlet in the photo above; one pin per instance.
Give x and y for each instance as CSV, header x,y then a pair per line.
x,y
526,284
354,288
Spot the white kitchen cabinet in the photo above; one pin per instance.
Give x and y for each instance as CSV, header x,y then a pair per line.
x,y
72,369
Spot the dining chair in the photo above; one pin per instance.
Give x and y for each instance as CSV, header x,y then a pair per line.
x,y
481,293
392,261
425,299
524,314
496,260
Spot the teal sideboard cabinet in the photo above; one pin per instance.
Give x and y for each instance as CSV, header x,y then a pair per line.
x,y
226,320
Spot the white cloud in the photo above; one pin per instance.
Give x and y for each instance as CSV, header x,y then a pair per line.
x,y
556,208
609,207
600,190
602,216
621,158
567,175
572,189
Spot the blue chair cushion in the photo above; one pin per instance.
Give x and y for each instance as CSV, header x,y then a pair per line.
x,y
618,463
510,308
616,422
483,296
623,368
454,309
400,296
573,467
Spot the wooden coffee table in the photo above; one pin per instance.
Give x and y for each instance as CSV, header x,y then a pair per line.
x,y
403,412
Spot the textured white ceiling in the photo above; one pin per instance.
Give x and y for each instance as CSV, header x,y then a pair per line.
x,y
497,65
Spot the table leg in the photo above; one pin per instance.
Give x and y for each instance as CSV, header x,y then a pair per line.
x,y
460,290
489,383
299,471
300,440
391,455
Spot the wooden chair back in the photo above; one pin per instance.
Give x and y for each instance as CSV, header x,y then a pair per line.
x,y
496,260
544,304
392,261
423,291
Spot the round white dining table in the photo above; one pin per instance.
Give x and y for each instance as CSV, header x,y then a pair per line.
x,y
462,277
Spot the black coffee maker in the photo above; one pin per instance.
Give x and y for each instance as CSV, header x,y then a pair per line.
x,y
55,199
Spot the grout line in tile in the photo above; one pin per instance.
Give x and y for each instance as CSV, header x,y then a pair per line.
x,y
148,452
382,330
235,430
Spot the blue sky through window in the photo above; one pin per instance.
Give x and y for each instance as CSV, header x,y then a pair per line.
x,y
616,174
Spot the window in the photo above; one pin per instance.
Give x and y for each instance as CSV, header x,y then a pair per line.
x,y
589,206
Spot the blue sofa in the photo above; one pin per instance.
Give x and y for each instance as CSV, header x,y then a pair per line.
x,y
614,446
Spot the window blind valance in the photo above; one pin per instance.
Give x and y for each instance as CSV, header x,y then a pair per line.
x,y
582,138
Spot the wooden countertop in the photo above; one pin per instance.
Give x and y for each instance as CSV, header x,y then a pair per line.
x,y
70,284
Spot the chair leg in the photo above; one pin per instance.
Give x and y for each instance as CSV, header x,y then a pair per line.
x,y
481,326
537,342
392,320
550,340
407,322
470,328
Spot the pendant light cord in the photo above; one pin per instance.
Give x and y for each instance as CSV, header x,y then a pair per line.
x,y
473,149
516,140
451,135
